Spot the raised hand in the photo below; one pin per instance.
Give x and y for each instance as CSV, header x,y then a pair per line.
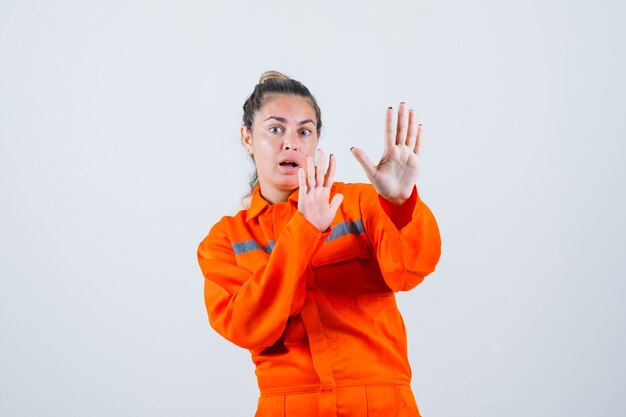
x,y
315,191
395,175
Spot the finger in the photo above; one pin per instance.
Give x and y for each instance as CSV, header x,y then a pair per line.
x,y
389,128
418,140
366,164
310,172
302,181
402,125
335,203
411,134
330,173
319,171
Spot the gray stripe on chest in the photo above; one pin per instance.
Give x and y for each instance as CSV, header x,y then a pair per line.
x,y
346,228
339,230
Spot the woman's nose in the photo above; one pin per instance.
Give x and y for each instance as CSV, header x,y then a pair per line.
x,y
290,142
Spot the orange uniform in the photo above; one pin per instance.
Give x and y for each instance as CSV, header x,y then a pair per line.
x,y
317,310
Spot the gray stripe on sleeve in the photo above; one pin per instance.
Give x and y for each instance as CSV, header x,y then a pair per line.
x,y
243,247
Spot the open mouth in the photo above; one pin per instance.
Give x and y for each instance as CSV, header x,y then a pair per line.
x,y
289,164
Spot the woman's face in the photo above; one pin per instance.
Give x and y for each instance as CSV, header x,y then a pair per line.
x,y
283,133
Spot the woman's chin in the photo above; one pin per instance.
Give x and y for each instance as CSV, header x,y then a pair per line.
x,y
287,184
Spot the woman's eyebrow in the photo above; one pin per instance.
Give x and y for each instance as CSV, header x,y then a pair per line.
x,y
280,119
283,120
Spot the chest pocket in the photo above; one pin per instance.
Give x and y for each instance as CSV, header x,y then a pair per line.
x,y
347,273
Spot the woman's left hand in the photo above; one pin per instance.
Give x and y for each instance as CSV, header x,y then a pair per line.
x,y
395,175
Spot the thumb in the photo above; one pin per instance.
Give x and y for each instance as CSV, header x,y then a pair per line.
x,y
335,203
366,164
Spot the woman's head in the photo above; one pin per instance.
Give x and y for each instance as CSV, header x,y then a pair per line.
x,y
281,125
275,83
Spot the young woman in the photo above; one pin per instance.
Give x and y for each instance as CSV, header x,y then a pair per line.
x,y
305,277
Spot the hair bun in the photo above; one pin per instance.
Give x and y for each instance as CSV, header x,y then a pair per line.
x,y
272,74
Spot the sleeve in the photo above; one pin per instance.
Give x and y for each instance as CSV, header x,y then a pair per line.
x,y
405,238
251,309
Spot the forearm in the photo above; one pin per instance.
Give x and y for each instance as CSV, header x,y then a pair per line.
x,y
405,238
252,309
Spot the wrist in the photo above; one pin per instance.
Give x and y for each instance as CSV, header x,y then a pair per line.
x,y
400,213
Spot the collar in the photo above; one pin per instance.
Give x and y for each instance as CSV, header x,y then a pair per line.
x,y
258,204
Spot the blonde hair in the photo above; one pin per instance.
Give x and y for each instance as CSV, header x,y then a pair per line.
x,y
272,74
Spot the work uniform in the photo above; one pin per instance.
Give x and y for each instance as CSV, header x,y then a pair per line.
x,y
317,309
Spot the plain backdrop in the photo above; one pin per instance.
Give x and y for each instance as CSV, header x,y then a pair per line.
x,y
119,149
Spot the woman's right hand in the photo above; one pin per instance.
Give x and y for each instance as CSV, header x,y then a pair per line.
x,y
314,192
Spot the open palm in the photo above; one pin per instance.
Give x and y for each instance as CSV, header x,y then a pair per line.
x,y
314,192
395,175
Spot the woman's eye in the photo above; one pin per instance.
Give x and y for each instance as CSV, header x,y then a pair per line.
x,y
305,132
276,129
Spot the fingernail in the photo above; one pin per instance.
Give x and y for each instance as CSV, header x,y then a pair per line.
x,y
420,125
411,110
389,108
352,147
402,102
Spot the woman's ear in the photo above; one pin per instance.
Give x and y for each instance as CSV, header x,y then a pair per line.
x,y
246,138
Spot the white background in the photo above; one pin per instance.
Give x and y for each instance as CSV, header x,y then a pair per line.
x,y
119,148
